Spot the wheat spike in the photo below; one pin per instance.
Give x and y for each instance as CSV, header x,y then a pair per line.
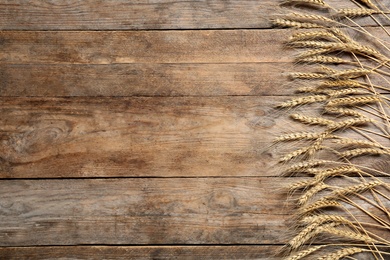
x,y
304,100
295,24
352,101
312,120
363,151
342,253
305,252
354,12
298,136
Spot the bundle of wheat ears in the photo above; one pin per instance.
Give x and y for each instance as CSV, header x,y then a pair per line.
x,y
340,161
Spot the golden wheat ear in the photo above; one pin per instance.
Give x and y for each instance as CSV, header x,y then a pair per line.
x,y
342,207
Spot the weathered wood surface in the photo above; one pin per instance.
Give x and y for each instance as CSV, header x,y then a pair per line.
x,y
141,211
148,63
144,14
147,79
145,211
140,252
108,137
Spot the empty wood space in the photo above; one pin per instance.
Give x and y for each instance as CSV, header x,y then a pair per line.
x,y
142,129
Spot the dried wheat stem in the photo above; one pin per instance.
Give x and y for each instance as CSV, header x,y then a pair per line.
x,y
323,218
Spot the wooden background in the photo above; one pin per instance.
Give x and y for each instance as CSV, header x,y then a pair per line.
x,y
141,129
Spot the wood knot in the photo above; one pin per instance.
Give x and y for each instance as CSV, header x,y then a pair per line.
x,y
41,136
222,200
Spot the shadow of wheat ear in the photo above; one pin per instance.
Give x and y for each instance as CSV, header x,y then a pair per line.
x,y
339,165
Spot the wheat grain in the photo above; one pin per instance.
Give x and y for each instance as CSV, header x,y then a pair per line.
x,y
363,151
312,120
321,219
350,235
356,142
308,233
297,136
316,44
300,185
321,175
320,204
318,34
354,12
311,17
322,59
304,165
319,3
341,83
309,76
295,24
294,154
355,189
310,193
349,123
314,52
352,101
351,73
305,252
341,253
343,92
303,100
343,111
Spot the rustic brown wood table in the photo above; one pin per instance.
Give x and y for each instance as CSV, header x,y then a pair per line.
x,y
141,129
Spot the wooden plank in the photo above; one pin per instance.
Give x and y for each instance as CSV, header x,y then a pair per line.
x,y
141,211
141,252
92,137
109,47
141,136
145,79
148,211
144,14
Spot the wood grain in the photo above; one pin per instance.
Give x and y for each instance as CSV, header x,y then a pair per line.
x,y
107,137
147,211
144,14
140,252
109,47
147,79
141,211
148,63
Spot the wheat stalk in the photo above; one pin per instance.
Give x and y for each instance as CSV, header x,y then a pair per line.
x,y
353,128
